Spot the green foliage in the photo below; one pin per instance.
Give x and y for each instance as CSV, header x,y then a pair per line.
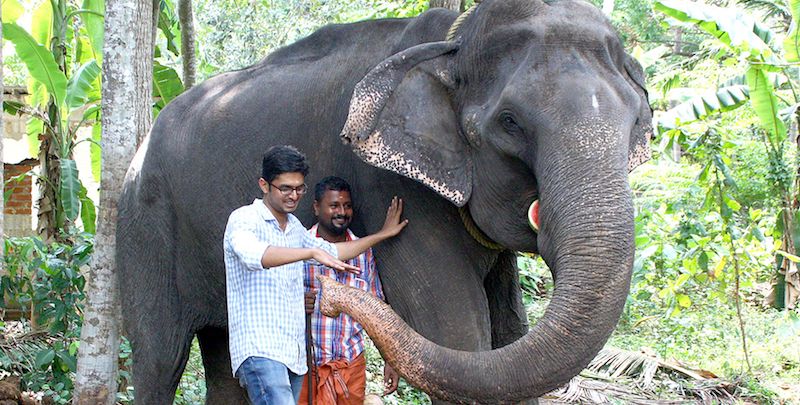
x,y
46,281
233,34
39,61
63,80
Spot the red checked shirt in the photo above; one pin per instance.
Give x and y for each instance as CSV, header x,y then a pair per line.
x,y
340,337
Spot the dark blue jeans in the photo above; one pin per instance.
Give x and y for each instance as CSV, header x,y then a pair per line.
x,y
269,382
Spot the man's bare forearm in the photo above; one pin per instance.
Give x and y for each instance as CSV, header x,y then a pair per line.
x,y
275,256
350,249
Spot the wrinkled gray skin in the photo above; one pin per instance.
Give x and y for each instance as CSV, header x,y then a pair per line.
x,y
532,100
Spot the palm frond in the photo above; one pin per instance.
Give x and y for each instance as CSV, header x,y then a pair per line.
x,y
617,363
18,350
643,378
772,10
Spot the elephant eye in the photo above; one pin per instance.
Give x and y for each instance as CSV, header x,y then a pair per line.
x,y
509,123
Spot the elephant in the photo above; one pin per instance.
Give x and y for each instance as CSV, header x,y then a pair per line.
x,y
474,120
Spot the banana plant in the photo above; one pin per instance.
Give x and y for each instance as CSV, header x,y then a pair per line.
x,y
767,85
62,51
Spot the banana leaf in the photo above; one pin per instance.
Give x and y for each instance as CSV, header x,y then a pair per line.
x,y
95,151
792,41
732,27
88,211
765,103
70,189
699,107
166,85
12,10
42,23
39,61
81,83
94,25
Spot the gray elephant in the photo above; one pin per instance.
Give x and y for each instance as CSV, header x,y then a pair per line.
x,y
470,122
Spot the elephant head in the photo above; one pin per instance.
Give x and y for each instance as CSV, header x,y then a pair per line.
x,y
530,101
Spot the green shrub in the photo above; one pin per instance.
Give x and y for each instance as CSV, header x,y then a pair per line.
x,y
46,282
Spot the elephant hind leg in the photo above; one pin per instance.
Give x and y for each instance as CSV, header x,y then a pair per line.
x,y
506,310
221,386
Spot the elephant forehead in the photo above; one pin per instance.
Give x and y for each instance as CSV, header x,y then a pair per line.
x,y
375,151
595,137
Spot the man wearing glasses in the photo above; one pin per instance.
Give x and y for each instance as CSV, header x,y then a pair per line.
x,y
265,246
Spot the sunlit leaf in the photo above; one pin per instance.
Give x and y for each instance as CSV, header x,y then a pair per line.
x,y
788,255
699,107
95,151
720,266
682,279
34,129
12,10
732,27
38,60
42,23
648,58
94,25
683,300
765,103
792,40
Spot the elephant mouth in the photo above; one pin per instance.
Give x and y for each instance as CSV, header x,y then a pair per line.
x,y
533,215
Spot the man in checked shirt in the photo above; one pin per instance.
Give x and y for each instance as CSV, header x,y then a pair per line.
x,y
265,246
340,374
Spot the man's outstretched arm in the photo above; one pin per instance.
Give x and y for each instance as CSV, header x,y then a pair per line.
x,y
391,227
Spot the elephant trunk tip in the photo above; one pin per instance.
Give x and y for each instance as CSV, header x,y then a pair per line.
x,y
330,290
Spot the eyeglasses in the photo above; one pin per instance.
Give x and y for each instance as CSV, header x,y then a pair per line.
x,y
287,190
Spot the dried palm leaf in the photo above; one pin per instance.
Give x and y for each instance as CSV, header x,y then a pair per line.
x,y
618,362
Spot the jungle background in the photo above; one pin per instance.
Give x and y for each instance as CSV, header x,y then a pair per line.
x,y
712,314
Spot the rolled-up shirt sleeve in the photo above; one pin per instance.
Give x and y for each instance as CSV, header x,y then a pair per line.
x,y
312,242
241,240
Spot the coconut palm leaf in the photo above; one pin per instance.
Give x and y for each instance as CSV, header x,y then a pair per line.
x,y
617,363
776,10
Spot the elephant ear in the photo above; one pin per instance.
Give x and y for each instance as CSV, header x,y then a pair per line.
x,y
639,150
401,119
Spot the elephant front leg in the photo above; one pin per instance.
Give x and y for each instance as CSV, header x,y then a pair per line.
x,y
503,293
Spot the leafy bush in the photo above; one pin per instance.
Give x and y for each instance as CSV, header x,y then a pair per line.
x,y
46,281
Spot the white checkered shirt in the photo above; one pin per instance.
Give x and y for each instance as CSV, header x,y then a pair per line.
x,y
266,310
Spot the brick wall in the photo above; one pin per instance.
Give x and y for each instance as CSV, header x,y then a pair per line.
x,y
17,215
20,200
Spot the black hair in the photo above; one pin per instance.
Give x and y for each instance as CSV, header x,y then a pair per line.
x,y
282,159
331,183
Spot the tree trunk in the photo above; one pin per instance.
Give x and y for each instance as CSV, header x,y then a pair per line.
x,y
127,94
48,182
156,14
187,43
455,5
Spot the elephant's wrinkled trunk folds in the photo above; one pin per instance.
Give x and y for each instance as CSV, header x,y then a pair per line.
x,y
592,271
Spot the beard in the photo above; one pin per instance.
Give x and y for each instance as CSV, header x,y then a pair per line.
x,y
334,229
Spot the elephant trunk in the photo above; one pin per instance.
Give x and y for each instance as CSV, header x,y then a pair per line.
x,y
590,251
